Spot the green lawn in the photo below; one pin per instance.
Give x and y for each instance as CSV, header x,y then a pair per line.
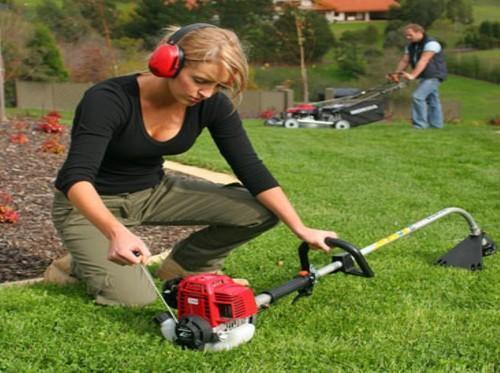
x,y
478,100
66,116
31,3
486,10
365,183
339,27
447,32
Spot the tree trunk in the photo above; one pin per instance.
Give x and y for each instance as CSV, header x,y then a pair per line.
x,y
107,35
3,115
303,69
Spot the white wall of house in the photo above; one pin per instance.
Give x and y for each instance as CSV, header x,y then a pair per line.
x,y
305,4
341,17
358,16
334,17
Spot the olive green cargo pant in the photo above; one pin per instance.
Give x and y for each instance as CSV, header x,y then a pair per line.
x,y
232,216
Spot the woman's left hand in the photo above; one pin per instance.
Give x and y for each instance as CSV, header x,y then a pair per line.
x,y
316,238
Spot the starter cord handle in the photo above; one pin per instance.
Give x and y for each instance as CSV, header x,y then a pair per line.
x,y
344,245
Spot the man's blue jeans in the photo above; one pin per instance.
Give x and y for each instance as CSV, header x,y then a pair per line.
x,y
426,107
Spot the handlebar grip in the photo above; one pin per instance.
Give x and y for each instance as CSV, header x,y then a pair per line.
x,y
296,283
344,245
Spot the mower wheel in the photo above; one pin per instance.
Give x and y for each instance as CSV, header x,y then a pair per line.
x,y
342,125
273,122
291,123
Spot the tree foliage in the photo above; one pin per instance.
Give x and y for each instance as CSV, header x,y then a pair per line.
x,y
276,40
151,17
351,61
423,12
71,20
268,37
64,19
484,36
459,11
15,32
426,12
354,51
90,61
242,15
44,62
102,15
368,35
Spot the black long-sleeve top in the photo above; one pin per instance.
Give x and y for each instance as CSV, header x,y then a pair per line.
x,y
111,149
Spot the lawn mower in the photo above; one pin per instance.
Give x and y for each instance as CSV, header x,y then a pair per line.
x,y
214,313
357,108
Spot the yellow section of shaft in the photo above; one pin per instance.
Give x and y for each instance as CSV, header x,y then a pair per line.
x,y
391,238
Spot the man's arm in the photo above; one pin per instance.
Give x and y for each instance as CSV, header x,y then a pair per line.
x,y
403,63
421,65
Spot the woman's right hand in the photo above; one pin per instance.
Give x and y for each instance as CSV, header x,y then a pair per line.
x,y
125,248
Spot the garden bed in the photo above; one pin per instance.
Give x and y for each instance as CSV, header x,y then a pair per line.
x,y
27,173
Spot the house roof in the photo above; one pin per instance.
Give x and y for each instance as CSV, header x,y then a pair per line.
x,y
343,6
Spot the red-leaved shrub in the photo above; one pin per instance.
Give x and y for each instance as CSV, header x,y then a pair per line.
x,y
18,138
49,123
21,125
7,214
52,145
53,113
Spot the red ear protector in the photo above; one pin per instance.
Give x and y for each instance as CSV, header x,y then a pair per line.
x,y
168,59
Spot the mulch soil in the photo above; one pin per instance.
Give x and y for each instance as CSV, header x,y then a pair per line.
x,y
27,175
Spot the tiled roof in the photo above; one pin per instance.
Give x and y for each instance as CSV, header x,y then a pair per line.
x,y
343,6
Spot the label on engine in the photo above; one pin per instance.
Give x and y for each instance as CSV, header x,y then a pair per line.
x,y
193,301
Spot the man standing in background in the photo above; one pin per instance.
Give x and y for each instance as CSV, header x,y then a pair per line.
x,y
425,56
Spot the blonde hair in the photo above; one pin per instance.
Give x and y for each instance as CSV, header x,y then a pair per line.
x,y
415,27
215,44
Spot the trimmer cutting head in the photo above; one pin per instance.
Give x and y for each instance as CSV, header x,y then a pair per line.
x,y
469,253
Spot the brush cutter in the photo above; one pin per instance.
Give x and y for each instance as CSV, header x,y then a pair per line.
x,y
214,313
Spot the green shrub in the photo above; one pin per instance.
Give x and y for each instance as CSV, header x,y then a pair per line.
x,y
44,62
472,67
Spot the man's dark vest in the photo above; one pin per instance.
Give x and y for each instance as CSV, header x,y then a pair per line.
x,y
436,68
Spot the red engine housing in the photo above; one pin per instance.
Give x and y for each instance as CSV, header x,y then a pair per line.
x,y
215,298
301,108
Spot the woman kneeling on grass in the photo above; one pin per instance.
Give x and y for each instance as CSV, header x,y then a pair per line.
x,y
113,177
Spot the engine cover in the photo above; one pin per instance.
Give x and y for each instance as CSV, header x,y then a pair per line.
x,y
215,298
